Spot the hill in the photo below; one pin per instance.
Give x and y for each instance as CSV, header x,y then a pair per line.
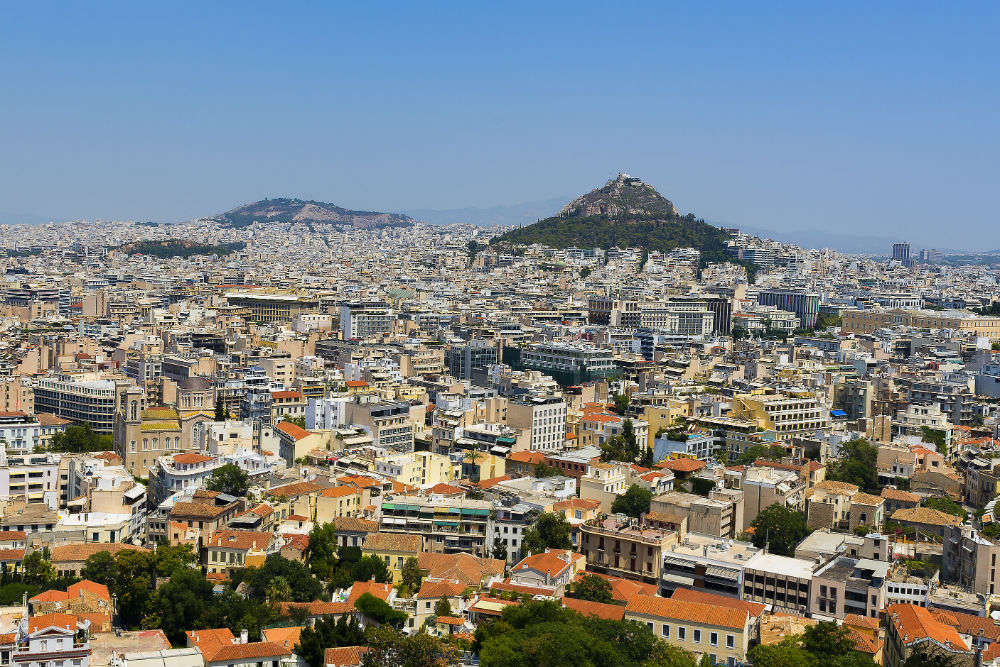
x,y
625,212
308,212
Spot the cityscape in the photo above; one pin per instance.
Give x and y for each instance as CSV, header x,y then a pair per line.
x,y
250,417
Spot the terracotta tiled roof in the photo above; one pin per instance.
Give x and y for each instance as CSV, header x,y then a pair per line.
x,y
861,621
913,623
240,539
527,456
611,612
544,562
690,595
344,656
12,535
83,551
340,492
576,504
55,619
867,499
682,465
293,431
248,651
287,637
967,624
285,395
10,555
100,590
463,567
406,542
435,589
354,524
192,457
693,612
447,489
296,489
901,496
926,515
833,486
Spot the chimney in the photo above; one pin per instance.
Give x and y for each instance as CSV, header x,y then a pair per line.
x,y
244,636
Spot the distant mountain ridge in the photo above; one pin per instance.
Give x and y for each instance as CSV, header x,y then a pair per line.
x,y
308,211
625,212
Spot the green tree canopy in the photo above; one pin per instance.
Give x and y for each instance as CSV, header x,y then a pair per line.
x,y
230,479
550,531
328,633
591,587
634,502
857,465
781,527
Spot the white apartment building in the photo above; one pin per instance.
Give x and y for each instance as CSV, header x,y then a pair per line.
x,y
544,417
32,478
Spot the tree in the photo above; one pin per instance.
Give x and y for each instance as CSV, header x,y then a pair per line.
x,y
37,568
781,528
371,567
785,654
411,575
537,634
298,421
545,470
304,586
327,633
922,657
100,568
379,611
702,486
857,465
322,551
78,439
230,479
591,587
621,403
169,559
634,502
648,457
442,607
550,531
585,272
220,410
180,604
946,505
937,437
390,648
278,590
499,548
751,454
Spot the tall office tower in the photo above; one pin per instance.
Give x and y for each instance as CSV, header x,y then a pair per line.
x,y
901,253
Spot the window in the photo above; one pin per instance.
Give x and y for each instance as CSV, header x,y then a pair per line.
x,y
666,630
713,639
697,636
681,632
730,641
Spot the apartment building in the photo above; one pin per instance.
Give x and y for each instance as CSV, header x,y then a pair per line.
x,y
448,525
80,399
704,562
571,364
365,319
544,417
625,547
722,633
805,305
868,321
717,515
19,432
32,478
388,423
778,581
788,415
765,486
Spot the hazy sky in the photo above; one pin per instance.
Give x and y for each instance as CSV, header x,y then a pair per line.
x,y
877,118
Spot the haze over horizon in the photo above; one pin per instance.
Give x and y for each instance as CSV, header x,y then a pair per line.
x,y
862,120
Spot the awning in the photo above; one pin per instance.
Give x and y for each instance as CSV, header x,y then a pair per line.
x,y
723,572
678,579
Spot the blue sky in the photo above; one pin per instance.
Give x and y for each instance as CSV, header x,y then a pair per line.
x,y
874,118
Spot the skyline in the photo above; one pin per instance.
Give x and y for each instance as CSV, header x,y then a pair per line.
x,y
783,120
